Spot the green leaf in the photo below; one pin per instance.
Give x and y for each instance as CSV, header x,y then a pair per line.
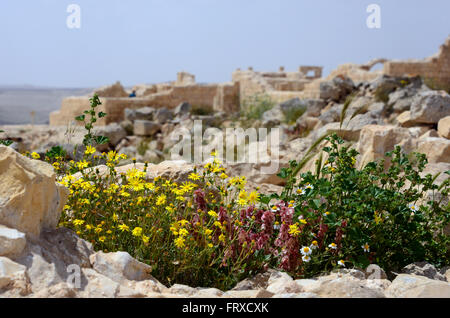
x,y
100,140
101,114
80,118
264,199
6,142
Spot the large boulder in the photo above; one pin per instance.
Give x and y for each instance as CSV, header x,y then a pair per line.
x,y
30,199
114,132
436,149
351,284
144,113
423,269
413,286
120,266
444,127
376,140
13,278
162,115
12,242
146,128
336,89
293,106
429,107
53,257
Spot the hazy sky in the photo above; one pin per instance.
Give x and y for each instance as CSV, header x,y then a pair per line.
x,y
147,41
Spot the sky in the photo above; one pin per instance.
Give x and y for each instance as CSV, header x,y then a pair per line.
x,y
149,41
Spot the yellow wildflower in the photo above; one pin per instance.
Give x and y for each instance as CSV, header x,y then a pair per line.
x,y
90,150
137,231
124,227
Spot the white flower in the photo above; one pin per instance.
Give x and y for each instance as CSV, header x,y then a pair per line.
x,y
366,248
333,246
341,263
314,245
306,258
308,186
276,226
413,207
305,250
300,191
326,213
275,208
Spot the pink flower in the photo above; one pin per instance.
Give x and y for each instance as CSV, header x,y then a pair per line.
x,y
199,199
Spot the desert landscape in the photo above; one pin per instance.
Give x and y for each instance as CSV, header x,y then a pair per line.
x,y
94,186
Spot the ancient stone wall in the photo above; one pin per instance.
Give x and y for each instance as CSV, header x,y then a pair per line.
x,y
223,97
435,68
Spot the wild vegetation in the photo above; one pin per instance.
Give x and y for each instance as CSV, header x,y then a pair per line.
x,y
209,231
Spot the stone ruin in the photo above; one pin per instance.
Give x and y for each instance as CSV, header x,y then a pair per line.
x,y
227,97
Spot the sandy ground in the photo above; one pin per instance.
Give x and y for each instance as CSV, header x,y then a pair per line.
x,y
17,103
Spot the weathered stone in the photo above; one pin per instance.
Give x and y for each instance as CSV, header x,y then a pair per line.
x,y
293,106
120,266
376,140
125,292
114,132
258,293
429,107
298,295
95,285
144,113
30,199
260,281
444,127
148,286
344,287
162,115
404,119
331,114
12,242
350,129
61,290
413,286
182,109
423,269
336,89
146,128
436,149
53,257
13,276
307,284
273,116
208,293
180,289
283,286
306,123
374,271
430,133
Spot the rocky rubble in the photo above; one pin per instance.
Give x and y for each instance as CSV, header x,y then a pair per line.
x,y
39,260
379,114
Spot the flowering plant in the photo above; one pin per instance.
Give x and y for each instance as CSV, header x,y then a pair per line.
x,y
360,216
208,230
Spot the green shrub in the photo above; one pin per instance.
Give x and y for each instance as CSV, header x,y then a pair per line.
x,y
5,142
209,231
253,107
384,210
